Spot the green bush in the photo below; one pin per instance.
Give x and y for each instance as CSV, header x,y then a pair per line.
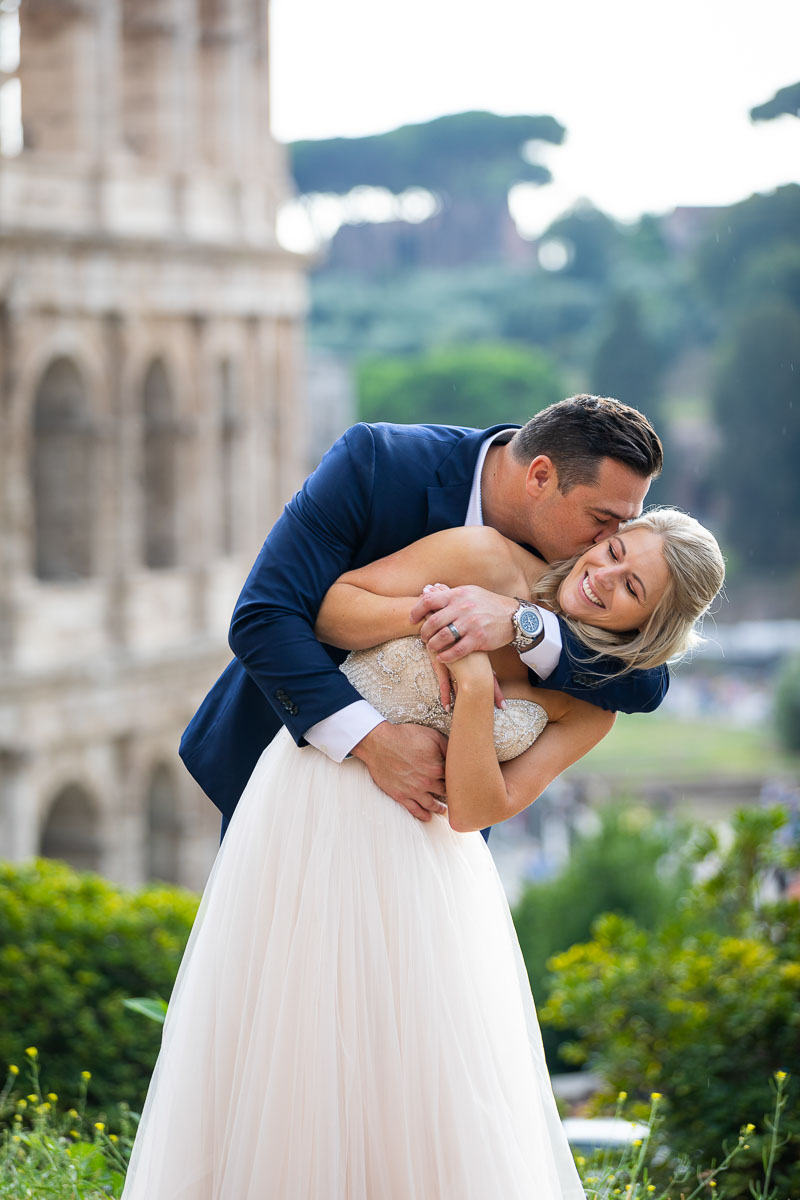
x,y
72,947
631,866
705,1008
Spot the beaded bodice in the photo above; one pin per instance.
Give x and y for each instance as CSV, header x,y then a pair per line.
x,y
398,679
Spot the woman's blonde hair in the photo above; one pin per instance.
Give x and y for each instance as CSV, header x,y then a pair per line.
x,y
696,574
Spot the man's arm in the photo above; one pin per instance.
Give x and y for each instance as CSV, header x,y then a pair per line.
x,y
312,542
485,624
271,631
596,682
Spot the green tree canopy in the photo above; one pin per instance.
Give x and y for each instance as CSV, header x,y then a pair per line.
x,y
743,231
757,408
460,385
785,100
466,154
593,240
628,360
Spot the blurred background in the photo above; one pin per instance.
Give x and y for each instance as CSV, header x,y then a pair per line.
x,y
228,230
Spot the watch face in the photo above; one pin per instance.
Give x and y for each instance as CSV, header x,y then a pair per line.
x,y
529,622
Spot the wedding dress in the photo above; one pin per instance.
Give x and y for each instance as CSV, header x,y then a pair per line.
x,y
352,1018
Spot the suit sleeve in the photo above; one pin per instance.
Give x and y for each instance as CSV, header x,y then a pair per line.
x,y
311,544
598,682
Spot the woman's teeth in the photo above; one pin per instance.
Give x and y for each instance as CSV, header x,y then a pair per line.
x,y
590,595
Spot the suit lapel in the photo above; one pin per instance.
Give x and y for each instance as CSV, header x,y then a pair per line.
x,y
448,500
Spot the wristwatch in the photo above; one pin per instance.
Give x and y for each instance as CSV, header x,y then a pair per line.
x,y
528,626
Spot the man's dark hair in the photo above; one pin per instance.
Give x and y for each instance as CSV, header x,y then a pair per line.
x,y
577,433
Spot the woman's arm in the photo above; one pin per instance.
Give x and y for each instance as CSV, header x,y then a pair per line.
x,y
480,791
372,604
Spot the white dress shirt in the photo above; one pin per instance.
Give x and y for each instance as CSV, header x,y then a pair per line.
x,y
337,734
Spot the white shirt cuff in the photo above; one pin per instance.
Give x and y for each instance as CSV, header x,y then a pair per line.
x,y
338,733
543,659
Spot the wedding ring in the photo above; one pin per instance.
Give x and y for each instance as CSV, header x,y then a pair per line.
x,y
455,633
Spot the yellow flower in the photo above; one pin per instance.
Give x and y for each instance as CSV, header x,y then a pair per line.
x,y
52,1096
72,1112
712,1183
112,1137
622,1097
638,1142
15,1138
656,1096
651,1187
73,1133
99,1126
18,1117
32,1052
13,1069
22,1104
581,1161
780,1076
33,1097
86,1076
749,1128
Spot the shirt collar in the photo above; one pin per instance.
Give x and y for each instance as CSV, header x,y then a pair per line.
x,y
475,507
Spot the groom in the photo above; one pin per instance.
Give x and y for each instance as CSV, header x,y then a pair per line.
x,y
566,479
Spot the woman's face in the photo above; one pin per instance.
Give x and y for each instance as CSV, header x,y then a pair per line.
x,y
617,583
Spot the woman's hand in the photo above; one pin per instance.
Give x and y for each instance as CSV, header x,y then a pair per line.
x,y
474,670
449,673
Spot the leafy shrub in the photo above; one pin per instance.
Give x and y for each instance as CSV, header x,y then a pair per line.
x,y
631,866
72,947
705,1008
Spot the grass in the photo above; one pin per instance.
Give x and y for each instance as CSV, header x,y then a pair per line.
x,y
67,1155
648,746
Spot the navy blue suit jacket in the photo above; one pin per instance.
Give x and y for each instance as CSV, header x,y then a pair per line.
x,y
379,488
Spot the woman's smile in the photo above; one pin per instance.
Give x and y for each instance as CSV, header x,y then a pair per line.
x,y
589,592
616,584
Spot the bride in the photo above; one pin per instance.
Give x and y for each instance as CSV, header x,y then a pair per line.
x,y
352,1018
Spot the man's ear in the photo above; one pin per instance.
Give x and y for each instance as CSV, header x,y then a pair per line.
x,y
542,477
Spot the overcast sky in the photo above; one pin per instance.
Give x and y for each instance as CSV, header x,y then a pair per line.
x,y
654,96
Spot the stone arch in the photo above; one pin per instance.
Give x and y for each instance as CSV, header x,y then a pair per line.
x,y
63,469
159,468
70,830
164,827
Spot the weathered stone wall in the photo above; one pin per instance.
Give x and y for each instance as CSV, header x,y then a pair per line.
x,y
151,422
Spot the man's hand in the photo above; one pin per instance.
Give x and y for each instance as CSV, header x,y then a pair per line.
x,y
407,762
482,618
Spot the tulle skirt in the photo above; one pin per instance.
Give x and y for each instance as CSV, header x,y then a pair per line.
x,y
352,1018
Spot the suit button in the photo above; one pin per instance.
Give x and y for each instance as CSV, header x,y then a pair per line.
x,y
285,699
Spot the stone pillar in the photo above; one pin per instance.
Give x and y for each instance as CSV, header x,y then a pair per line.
x,y
151,126
291,409
58,76
220,80
6,445
119,556
199,513
18,827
